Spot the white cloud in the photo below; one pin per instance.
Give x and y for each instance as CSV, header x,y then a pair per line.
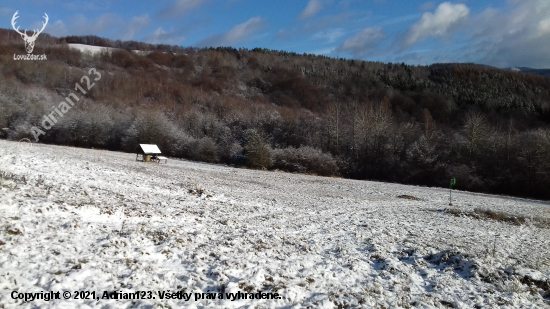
x,y
238,33
544,27
242,31
437,24
324,51
57,28
281,34
161,36
313,7
330,35
137,24
517,36
359,44
179,7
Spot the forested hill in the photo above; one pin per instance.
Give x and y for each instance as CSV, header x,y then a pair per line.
x,y
488,127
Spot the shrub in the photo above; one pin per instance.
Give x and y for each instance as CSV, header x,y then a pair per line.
x,y
121,58
205,150
161,58
183,62
257,152
152,128
305,160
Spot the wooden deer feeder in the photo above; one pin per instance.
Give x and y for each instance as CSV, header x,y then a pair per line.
x,y
149,153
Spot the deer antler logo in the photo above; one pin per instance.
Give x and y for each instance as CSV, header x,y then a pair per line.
x,y
29,40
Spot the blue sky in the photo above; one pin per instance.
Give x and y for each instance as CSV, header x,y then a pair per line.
x,y
502,33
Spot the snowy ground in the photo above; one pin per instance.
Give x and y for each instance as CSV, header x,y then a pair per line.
x,y
89,48
91,220
98,49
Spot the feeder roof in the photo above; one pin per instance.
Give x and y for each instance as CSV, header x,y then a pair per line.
x,y
149,149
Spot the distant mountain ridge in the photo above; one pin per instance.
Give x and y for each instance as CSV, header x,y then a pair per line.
x,y
543,72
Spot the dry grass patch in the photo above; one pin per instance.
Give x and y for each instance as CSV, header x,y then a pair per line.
x,y
486,214
409,197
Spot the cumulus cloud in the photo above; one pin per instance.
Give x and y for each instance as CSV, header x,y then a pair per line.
x,y
238,33
519,36
161,36
313,7
437,24
135,25
179,7
57,28
516,35
359,44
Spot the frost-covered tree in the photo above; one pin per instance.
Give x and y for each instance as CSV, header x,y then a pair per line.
x,y
257,152
475,130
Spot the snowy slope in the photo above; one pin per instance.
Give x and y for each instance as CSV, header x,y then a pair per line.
x,y
89,48
98,49
80,219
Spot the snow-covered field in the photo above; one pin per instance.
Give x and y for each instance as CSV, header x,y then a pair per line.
x,y
92,220
89,48
98,49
